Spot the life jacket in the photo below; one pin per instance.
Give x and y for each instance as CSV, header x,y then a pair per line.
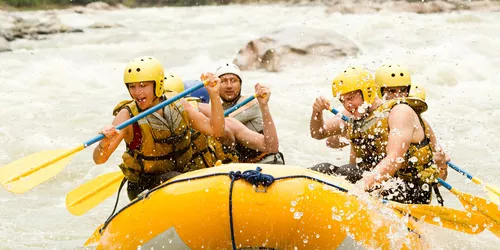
x,y
369,138
160,143
203,142
251,116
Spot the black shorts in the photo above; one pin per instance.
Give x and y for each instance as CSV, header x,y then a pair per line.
x,y
148,181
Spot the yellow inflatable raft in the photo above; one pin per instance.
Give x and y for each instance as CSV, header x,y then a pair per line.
x,y
243,206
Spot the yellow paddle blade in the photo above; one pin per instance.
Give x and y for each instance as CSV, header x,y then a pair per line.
x,y
92,193
30,171
467,222
95,237
477,204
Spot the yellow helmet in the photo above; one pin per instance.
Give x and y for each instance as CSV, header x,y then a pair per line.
x,y
417,97
352,79
417,91
392,75
146,68
173,83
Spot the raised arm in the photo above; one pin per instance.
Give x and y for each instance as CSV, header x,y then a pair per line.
x,y
318,127
214,125
267,142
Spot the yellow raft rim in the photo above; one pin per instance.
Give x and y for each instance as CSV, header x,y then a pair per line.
x,y
291,208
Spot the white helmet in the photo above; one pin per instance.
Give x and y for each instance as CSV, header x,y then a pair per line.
x,y
228,68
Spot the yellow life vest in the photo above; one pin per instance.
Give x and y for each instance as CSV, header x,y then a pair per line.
x,y
369,138
165,142
203,141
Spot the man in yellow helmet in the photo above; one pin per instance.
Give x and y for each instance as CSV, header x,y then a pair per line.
x,y
394,82
158,146
250,114
388,139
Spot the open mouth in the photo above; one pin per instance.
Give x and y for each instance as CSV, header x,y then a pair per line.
x,y
141,100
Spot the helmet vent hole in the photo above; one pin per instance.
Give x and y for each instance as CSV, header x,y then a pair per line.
x,y
401,74
138,69
393,75
142,60
129,70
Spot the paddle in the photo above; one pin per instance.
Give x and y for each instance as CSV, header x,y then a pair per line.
x,y
92,193
30,171
343,117
239,105
492,191
471,223
476,204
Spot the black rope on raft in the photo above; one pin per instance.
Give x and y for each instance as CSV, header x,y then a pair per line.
x,y
116,203
254,177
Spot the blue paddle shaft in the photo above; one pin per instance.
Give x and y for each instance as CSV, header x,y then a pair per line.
x,y
444,184
451,165
334,111
146,113
237,106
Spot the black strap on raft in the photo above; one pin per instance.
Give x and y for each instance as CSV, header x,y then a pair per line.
x,y
254,177
438,194
116,203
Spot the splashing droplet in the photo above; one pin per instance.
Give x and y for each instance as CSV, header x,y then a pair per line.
x,y
297,215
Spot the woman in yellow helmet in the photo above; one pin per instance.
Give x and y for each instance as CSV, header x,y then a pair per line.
x,y
158,146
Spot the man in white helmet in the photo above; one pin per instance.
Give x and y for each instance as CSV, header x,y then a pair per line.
x,y
250,114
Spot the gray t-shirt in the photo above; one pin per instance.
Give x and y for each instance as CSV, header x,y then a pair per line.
x,y
250,115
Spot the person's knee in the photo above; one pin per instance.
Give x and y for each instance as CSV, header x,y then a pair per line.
x,y
325,168
351,172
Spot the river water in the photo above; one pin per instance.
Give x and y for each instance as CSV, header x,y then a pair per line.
x,y
58,92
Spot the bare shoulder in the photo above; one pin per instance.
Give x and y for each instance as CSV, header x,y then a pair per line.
x,y
402,109
402,113
123,115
